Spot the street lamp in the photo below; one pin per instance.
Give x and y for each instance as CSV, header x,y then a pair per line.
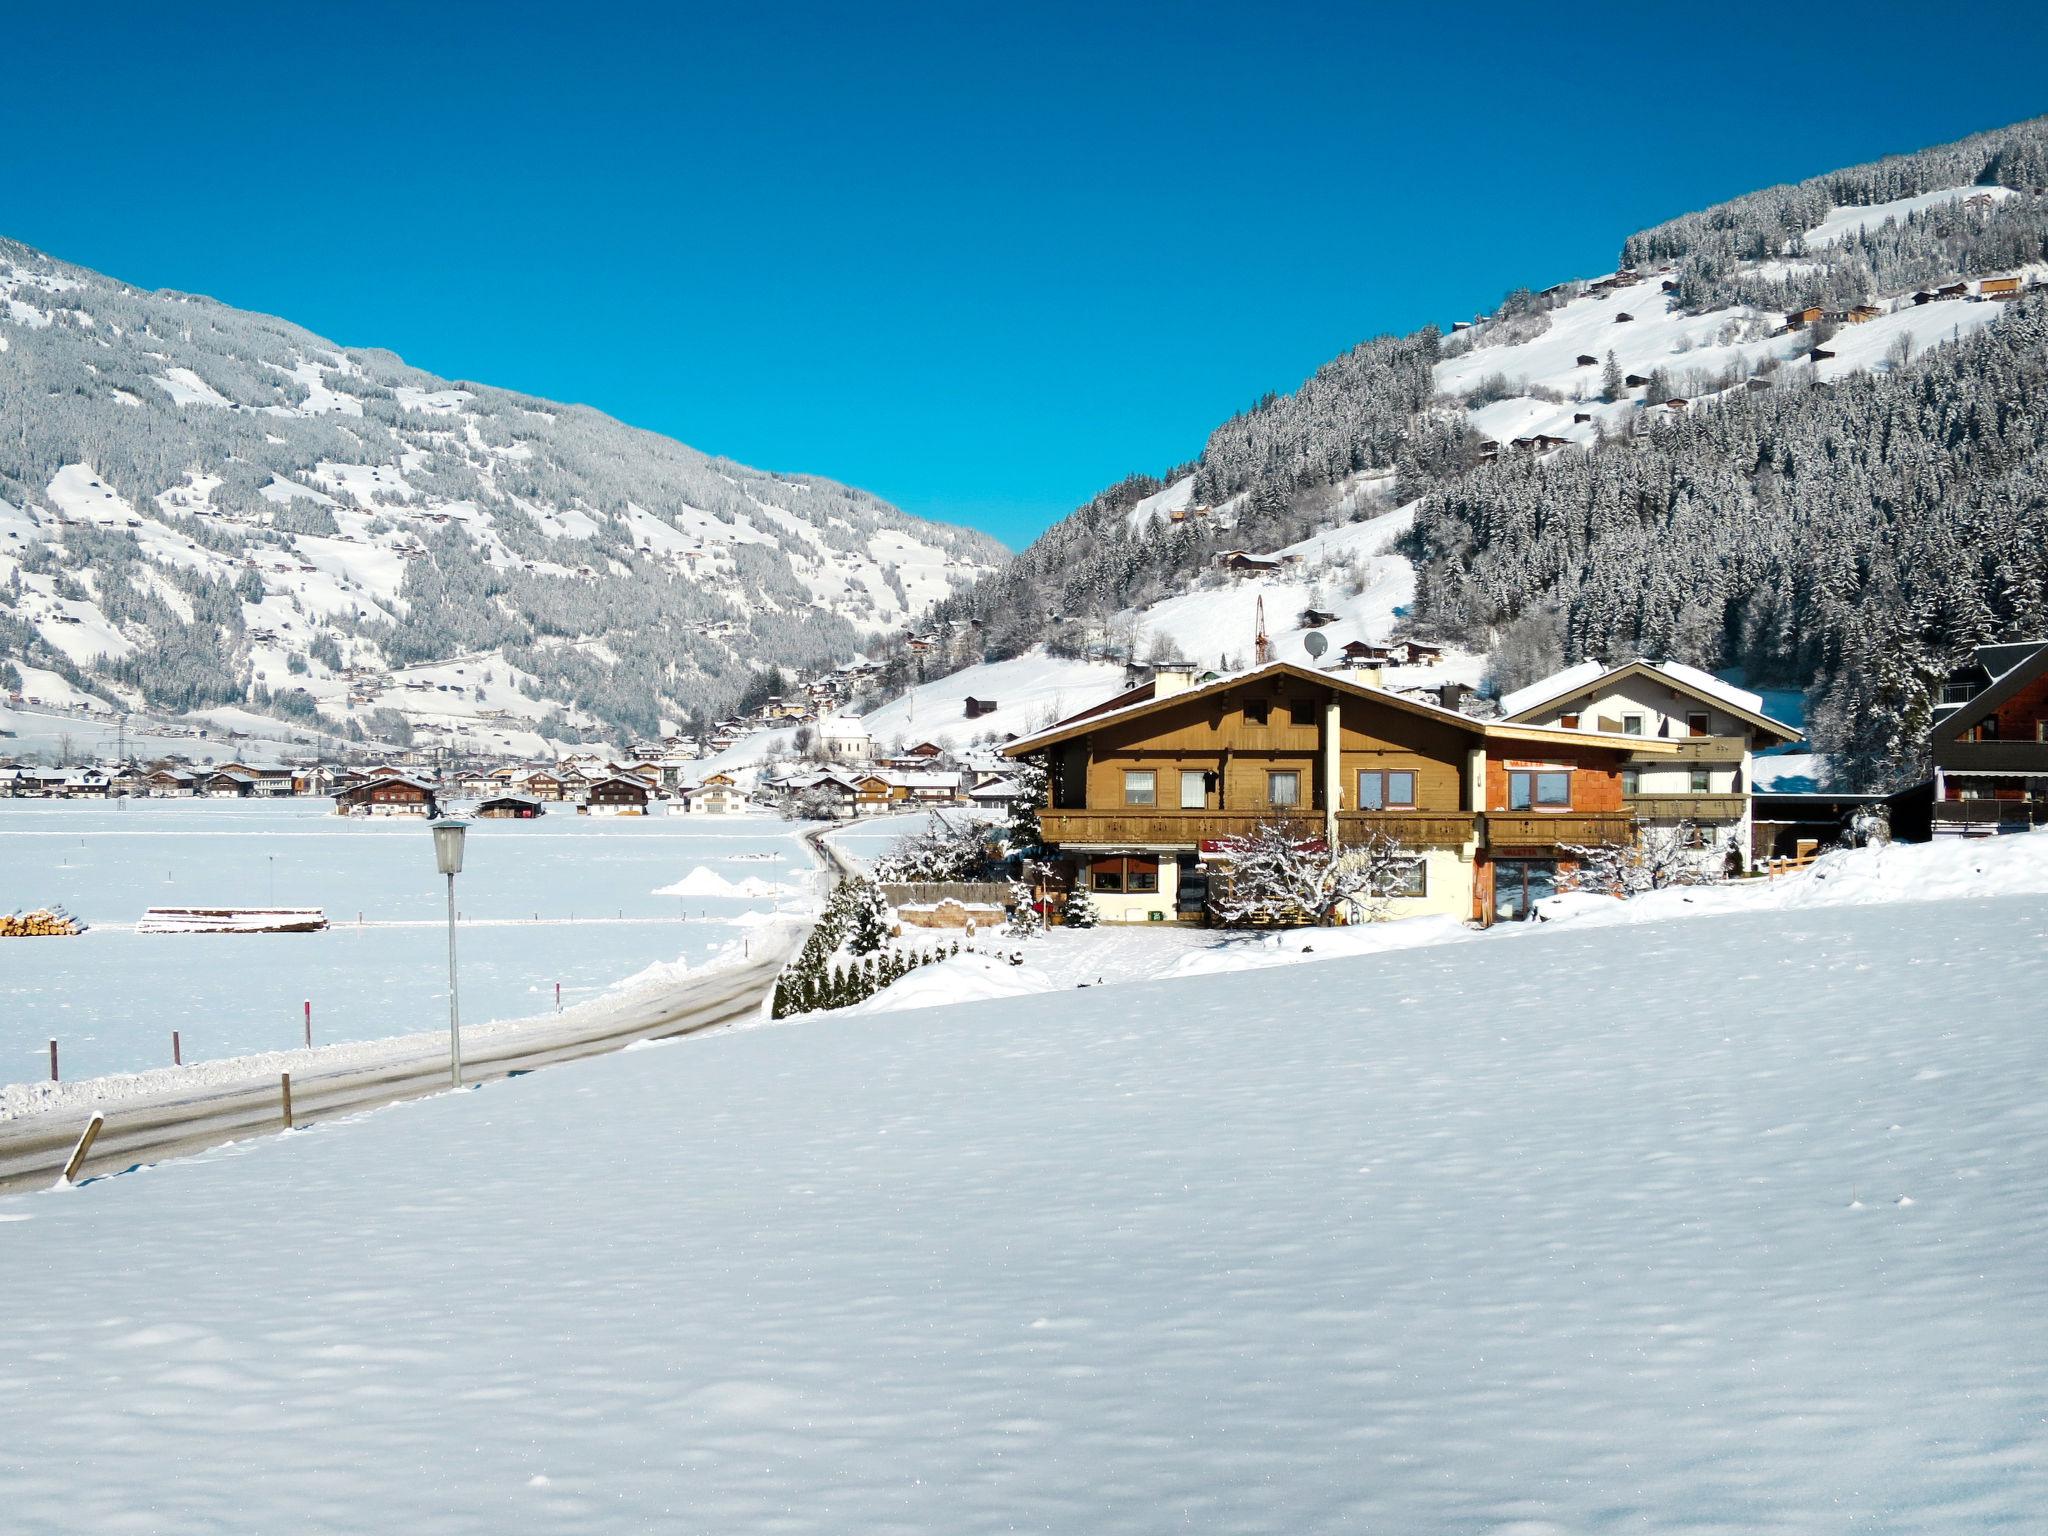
x,y
448,858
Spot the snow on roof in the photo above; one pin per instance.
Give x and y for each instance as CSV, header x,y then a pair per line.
x,y
1586,673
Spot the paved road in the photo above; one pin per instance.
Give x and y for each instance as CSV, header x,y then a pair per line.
x,y
34,1148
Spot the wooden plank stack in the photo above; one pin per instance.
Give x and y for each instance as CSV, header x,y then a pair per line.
x,y
232,920
42,923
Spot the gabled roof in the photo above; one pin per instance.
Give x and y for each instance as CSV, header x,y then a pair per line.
x,y
2031,663
1090,720
1587,675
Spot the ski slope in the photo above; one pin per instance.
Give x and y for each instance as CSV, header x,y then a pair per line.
x,y
1416,1245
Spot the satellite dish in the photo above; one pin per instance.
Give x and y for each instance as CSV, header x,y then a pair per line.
x,y
1315,642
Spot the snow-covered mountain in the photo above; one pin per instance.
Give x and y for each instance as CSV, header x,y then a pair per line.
x,y
203,508
1800,433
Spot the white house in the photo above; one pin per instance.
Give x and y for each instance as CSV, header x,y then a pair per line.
x,y
718,795
1718,728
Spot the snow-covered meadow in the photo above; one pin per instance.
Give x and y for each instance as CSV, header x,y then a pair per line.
x,y
1730,1224
566,898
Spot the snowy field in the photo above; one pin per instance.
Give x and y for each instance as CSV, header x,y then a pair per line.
x,y
566,898
1735,1224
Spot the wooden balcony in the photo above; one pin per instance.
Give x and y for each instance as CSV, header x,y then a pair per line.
x,y
1695,749
1551,830
1688,807
1132,827
1414,829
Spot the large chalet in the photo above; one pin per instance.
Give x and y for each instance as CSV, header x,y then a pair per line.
x,y
1143,789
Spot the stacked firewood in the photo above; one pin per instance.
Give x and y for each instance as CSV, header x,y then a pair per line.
x,y
44,922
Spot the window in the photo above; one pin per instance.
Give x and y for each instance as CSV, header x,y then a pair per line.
x,y
1302,711
1255,711
1283,789
1411,880
1544,789
1141,786
1697,723
1569,721
1701,781
1631,725
1631,781
1118,876
1389,790
1194,789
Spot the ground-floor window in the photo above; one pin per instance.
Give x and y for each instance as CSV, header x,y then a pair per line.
x,y
1120,875
1412,879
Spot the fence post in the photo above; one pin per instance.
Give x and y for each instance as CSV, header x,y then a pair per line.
x,y
85,1141
285,1084
177,1051
309,1023
53,1061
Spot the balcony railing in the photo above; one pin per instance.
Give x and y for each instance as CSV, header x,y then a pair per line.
x,y
2013,815
1696,749
1556,829
1133,827
1700,807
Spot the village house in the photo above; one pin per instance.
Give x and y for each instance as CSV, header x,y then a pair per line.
x,y
2000,287
976,708
718,795
172,783
1989,742
616,795
1240,563
387,794
830,793
543,785
1715,727
509,808
1144,790
996,794
1799,319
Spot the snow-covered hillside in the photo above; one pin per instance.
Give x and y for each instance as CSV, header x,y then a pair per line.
x,y
1776,419
355,536
1410,1244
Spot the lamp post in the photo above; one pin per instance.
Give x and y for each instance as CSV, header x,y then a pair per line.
x,y
448,858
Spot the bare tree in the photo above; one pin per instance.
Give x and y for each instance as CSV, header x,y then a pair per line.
x,y
1286,873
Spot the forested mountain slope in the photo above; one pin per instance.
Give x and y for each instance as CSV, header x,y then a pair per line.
x,y
1658,461
200,507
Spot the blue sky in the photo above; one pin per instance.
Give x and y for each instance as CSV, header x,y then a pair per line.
x,y
982,261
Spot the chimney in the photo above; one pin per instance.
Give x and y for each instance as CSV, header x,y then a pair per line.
x,y
1172,677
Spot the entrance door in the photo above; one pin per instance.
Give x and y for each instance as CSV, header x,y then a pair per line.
x,y
1518,884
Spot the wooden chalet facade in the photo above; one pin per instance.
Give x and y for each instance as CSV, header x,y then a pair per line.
x,y
616,795
510,808
387,795
1989,743
1712,730
1142,790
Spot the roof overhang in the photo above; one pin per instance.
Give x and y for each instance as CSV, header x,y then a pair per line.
x,y
1639,668
1486,730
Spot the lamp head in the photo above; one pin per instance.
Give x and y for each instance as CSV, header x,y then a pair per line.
x,y
448,845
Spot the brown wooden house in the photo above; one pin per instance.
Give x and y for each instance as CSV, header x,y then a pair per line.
x,y
391,794
1141,796
1990,742
617,795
